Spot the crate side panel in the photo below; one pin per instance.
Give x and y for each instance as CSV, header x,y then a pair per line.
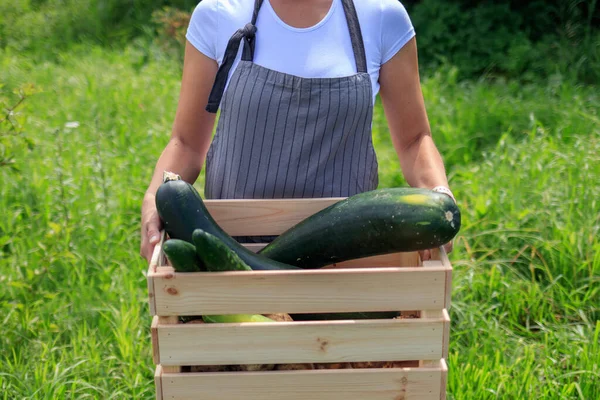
x,y
333,290
263,216
301,342
384,384
401,259
405,259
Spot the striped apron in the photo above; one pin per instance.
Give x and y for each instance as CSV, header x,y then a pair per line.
x,y
285,136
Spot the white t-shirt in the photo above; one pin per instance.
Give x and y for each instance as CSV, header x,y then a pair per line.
x,y
321,51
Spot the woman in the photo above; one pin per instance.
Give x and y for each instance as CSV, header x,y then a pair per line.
x,y
295,81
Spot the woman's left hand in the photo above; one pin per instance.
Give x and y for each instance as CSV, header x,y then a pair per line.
x,y
426,254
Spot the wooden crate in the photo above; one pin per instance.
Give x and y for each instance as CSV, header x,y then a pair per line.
x,y
396,282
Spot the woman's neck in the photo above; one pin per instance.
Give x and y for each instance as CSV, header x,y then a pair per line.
x,y
301,13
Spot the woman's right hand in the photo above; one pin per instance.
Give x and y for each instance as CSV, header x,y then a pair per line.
x,y
151,225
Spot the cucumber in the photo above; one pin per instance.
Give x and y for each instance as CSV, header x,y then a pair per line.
x,y
215,255
182,255
182,211
368,224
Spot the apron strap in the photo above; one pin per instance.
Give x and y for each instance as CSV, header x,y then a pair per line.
x,y
247,33
358,46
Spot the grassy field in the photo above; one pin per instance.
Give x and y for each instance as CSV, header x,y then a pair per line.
x,y
524,162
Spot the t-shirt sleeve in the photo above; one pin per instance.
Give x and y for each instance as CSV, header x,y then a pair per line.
x,y
396,28
202,29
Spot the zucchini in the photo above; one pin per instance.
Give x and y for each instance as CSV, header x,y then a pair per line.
x,y
182,255
368,224
215,255
182,211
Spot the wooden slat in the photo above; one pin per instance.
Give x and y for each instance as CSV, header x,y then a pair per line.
x,y
158,382
442,256
306,291
446,263
263,216
446,342
436,263
155,341
301,342
151,291
371,384
407,259
157,259
254,247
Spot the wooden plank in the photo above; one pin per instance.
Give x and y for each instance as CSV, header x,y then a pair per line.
x,y
301,342
168,321
164,270
254,247
446,263
306,291
436,263
446,343
263,216
358,384
408,259
157,259
405,259
151,291
158,382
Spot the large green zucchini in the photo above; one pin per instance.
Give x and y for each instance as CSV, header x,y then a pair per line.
x,y
367,224
215,255
182,211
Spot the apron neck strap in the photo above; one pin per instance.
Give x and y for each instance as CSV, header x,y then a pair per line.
x,y
358,46
257,5
250,30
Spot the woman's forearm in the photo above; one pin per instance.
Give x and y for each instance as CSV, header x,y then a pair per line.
x,y
421,163
179,158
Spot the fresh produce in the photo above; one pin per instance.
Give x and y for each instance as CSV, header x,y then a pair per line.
x,y
215,255
182,211
182,255
367,224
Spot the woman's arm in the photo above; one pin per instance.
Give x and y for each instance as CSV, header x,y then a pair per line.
x,y
405,112
404,107
190,139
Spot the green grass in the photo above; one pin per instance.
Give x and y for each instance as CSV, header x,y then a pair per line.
x,y
524,162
